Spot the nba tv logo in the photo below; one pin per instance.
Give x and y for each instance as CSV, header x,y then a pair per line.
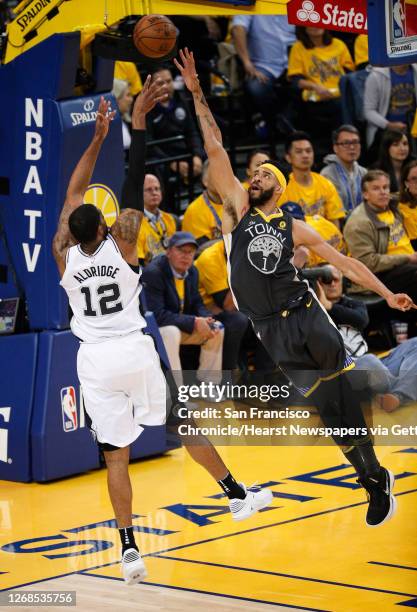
x,y
69,409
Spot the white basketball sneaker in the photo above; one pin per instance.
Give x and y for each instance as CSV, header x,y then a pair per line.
x,y
133,567
256,499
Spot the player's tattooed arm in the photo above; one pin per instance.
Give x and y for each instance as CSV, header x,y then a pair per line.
x,y
125,232
232,194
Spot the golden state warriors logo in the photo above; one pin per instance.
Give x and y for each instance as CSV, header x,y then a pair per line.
x,y
264,253
105,200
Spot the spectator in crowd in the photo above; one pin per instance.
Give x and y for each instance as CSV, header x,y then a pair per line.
x,y
254,159
342,167
393,377
394,154
174,118
408,201
157,225
171,289
127,71
375,234
124,101
313,193
361,51
390,101
316,63
203,217
261,42
217,297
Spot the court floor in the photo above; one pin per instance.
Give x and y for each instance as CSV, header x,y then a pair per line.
x,y
310,550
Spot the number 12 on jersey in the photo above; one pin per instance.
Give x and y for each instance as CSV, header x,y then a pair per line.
x,y
105,300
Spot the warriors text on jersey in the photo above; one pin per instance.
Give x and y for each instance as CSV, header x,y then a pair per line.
x,y
103,292
262,276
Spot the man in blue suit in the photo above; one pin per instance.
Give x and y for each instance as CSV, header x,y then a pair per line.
x,y
171,288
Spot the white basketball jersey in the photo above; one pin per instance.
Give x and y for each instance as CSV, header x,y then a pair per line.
x,y
103,292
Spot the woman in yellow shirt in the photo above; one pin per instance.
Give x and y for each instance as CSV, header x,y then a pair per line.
x,y
408,200
315,65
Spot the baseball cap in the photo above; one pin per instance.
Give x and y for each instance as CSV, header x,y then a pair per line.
x,y
180,238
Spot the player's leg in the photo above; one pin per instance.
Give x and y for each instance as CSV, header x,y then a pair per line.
x,y
341,406
243,501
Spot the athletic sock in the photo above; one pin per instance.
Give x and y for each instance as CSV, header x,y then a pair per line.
x,y
127,538
232,489
362,457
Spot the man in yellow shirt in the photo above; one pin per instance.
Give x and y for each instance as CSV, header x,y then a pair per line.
x,y
375,235
203,217
157,225
315,194
217,297
127,71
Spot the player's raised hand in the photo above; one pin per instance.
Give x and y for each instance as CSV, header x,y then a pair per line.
x,y
401,301
187,69
152,92
103,119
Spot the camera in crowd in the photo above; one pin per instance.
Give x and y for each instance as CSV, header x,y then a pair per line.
x,y
323,274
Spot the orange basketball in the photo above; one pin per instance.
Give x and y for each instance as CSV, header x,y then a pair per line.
x,y
154,36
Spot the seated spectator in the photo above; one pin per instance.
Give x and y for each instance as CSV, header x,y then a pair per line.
x,y
408,201
261,42
375,234
217,297
361,51
203,217
327,230
124,101
254,159
390,101
157,225
127,71
174,118
315,65
314,193
342,167
394,154
393,377
171,289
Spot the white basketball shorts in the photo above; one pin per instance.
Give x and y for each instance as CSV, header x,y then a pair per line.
x,y
123,387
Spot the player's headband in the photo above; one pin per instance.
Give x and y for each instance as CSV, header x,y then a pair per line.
x,y
277,173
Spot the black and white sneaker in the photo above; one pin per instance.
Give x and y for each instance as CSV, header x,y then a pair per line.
x,y
382,503
133,567
256,499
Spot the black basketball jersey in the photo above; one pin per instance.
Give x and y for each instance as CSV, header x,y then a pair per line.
x,y
262,277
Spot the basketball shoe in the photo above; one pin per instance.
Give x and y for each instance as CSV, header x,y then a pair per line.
x,y
256,499
133,567
382,503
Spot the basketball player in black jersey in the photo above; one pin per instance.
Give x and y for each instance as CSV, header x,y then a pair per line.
x,y
286,315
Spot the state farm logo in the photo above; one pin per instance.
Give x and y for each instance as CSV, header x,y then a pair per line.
x,y
307,12
339,15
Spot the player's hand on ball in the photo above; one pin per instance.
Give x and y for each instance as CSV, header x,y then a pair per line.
x,y
152,92
187,70
103,119
400,301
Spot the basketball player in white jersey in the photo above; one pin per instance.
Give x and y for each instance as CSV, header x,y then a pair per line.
x,y
260,240
118,366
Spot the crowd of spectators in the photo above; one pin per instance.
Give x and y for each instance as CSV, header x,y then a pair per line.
x,y
354,183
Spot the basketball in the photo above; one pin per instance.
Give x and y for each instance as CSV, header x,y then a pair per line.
x,y
154,36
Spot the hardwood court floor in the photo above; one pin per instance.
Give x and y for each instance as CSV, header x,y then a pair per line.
x,y
310,550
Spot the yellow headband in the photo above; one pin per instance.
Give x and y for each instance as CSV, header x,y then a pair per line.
x,y
277,173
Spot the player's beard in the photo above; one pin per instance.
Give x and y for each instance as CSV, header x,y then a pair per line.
x,y
264,196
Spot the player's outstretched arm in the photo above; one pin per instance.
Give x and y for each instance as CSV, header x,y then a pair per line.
x,y
234,197
80,179
355,270
150,95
